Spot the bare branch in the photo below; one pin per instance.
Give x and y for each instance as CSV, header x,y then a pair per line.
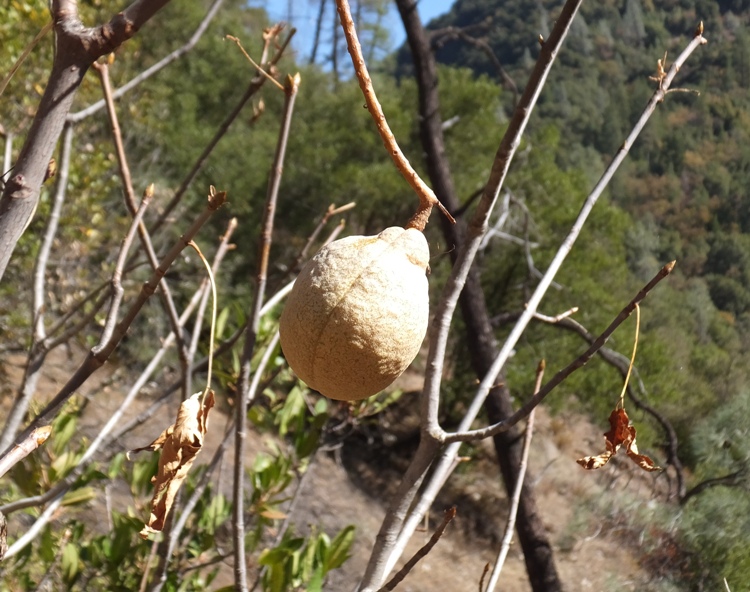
x,y
620,362
731,480
165,293
516,498
117,289
76,48
291,87
579,362
24,54
99,354
332,211
157,67
255,85
440,36
102,438
39,349
394,532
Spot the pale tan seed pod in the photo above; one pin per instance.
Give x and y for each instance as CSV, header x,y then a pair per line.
x,y
358,313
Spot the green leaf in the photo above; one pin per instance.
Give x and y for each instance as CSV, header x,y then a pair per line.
x,y
316,581
62,431
115,466
339,550
70,563
293,410
78,496
221,322
47,545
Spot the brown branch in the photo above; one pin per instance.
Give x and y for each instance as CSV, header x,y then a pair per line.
x,y
165,294
39,349
102,438
441,35
117,289
24,54
485,571
449,515
404,513
731,480
332,211
427,198
579,362
157,67
76,49
291,87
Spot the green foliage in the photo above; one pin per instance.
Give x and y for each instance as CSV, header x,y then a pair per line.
x,y
302,564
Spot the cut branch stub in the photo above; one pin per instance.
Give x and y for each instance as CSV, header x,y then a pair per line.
x,y
358,313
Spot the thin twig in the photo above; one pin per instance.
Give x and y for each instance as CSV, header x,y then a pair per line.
x,y
117,289
485,571
24,54
439,37
296,497
516,499
450,514
212,331
332,211
620,362
579,362
427,198
165,293
102,439
223,247
38,349
76,48
157,67
260,69
291,86
440,328
31,533
255,85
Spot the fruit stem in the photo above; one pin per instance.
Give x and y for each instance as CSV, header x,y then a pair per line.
x,y
427,197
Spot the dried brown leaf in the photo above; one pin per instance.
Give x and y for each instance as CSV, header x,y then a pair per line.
x,y
594,462
180,444
620,433
272,514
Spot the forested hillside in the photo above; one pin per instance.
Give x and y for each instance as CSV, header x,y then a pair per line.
x,y
680,195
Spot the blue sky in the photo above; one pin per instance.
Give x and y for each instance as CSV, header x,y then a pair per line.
x,y
304,13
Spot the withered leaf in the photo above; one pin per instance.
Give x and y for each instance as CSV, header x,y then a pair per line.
x,y
620,433
180,443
